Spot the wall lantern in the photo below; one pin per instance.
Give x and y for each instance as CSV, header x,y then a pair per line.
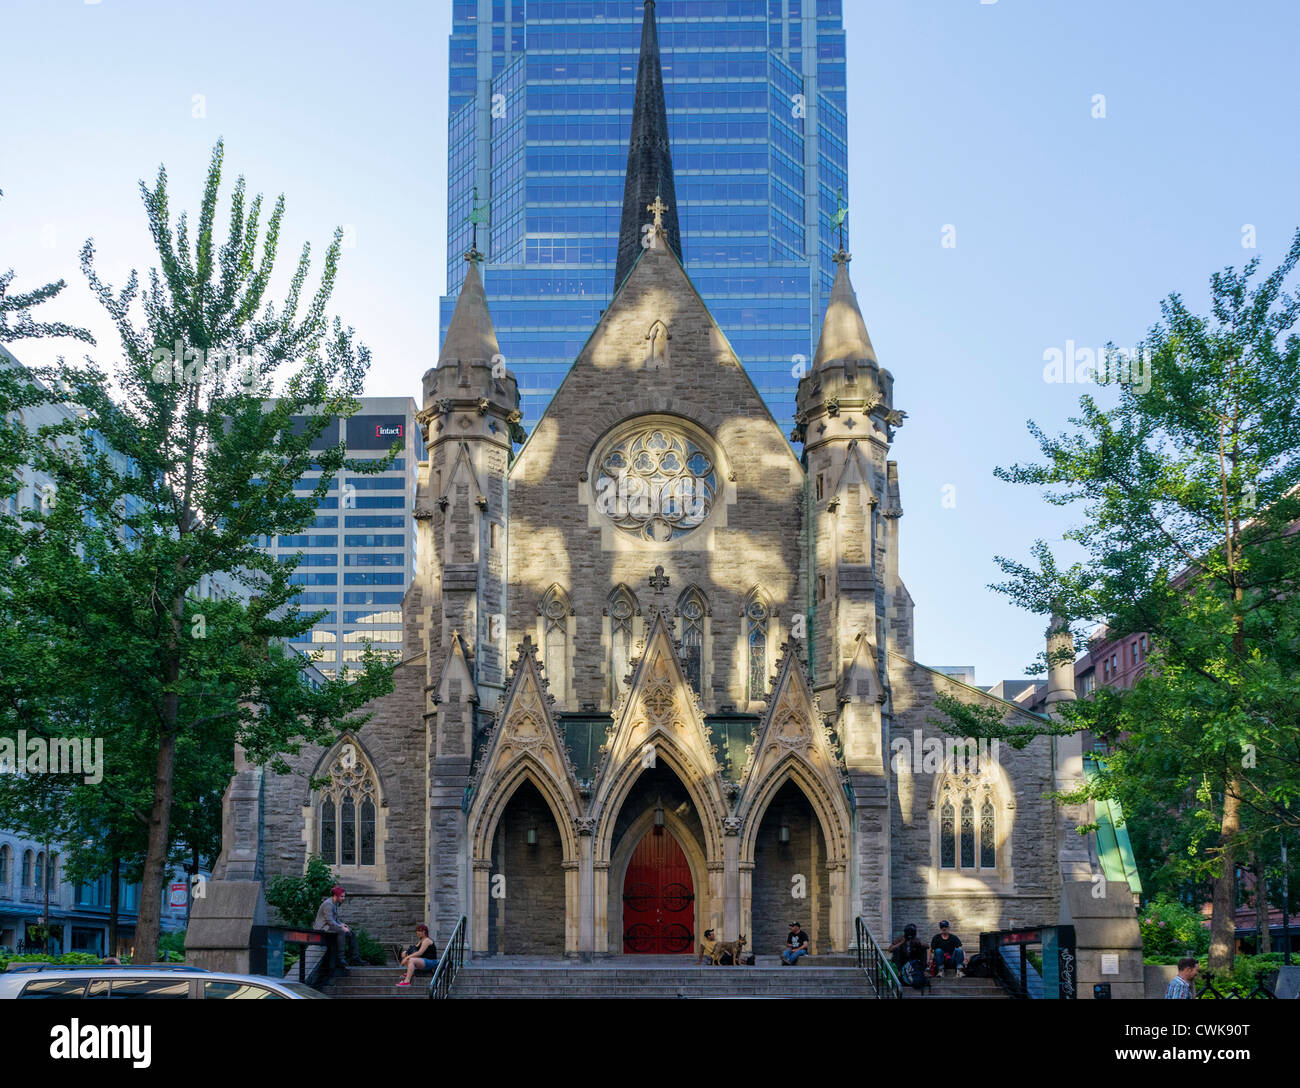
x,y
783,832
532,835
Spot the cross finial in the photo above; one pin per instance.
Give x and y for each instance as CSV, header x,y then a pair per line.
x,y
658,582
476,216
841,213
658,207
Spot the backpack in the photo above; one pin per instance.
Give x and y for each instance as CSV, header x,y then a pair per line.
x,y
913,973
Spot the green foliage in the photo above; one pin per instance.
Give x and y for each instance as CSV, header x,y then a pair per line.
x,y
1169,928
370,950
173,943
69,958
107,632
298,898
1188,481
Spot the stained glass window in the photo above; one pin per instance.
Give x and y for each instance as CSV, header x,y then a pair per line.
x,y
758,617
947,837
692,611
988,843
656,483
347,832
348,838
367,832
621,609
967,834
329,831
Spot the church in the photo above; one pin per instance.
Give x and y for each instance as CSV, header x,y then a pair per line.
x,y
658,670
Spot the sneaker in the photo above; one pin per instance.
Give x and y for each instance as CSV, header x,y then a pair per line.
x,y
961,972
404,983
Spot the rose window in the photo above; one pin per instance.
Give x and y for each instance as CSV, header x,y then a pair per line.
x,y
656,483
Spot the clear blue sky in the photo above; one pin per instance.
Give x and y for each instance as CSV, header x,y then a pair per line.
x,y
1068,227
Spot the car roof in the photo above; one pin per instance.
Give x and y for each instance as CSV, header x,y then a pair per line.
x,y
127,971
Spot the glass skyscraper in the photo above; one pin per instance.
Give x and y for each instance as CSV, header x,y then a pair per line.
x,y
541,96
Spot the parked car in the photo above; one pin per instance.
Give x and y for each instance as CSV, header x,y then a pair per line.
x,y
28,981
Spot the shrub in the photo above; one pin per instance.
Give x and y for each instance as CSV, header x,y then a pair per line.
x,y
40,957
1169,928
370,949
174,945
298,898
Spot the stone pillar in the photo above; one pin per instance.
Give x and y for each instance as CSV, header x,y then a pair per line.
x,y
730,914
1067,757
227,930
480,904
586,905
746,897
840,922
572,907
1107,937
600,907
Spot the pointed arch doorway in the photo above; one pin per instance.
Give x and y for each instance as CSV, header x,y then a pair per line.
x,y
658,897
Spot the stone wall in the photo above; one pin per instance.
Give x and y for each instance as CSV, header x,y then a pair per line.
x,y
1026,887
389,901
529,919
556,535
777,863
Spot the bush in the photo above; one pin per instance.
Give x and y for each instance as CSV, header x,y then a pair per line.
x,y
40,957
1169,928
174,945
370,949
1247,973
298,898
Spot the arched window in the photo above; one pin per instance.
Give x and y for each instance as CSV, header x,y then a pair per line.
x,y
757,616
6,865
988,837
52,872
947,837
692,608
967,834
29,869
40,871
967,823
555,610
346,811
622,609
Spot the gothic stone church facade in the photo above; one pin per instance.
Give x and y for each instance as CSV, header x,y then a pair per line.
x,y
656,662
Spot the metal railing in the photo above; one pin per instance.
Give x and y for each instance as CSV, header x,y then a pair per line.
x,y
453,959
878,968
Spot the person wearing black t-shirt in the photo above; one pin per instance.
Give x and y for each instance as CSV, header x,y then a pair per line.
x,y
796,945
945,951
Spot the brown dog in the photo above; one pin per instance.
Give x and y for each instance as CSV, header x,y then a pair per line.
x,y
732,947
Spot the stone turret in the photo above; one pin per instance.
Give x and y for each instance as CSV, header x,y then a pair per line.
x,y
846,420
471,420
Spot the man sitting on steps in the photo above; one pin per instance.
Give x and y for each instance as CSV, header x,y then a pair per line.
x,y
796,945
329,919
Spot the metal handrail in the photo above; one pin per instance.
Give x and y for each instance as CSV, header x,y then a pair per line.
x,y
453,959
879,970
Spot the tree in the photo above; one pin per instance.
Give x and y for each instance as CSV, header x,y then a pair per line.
x,y
1191,505
187,460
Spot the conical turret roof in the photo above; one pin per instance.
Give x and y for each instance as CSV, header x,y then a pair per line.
x,y
844,333
471,336
649,157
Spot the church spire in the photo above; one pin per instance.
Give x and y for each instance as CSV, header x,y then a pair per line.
x,y
471,337
844,333
649,158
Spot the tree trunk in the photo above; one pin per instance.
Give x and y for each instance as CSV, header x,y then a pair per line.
x,y
114,905
1264,939
1223,929
155,859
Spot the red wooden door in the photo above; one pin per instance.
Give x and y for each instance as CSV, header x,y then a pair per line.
x,y
658,897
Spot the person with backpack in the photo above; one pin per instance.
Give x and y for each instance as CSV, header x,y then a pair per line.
x,y
908,957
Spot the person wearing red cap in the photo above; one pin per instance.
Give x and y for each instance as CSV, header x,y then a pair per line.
x,y
329,919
